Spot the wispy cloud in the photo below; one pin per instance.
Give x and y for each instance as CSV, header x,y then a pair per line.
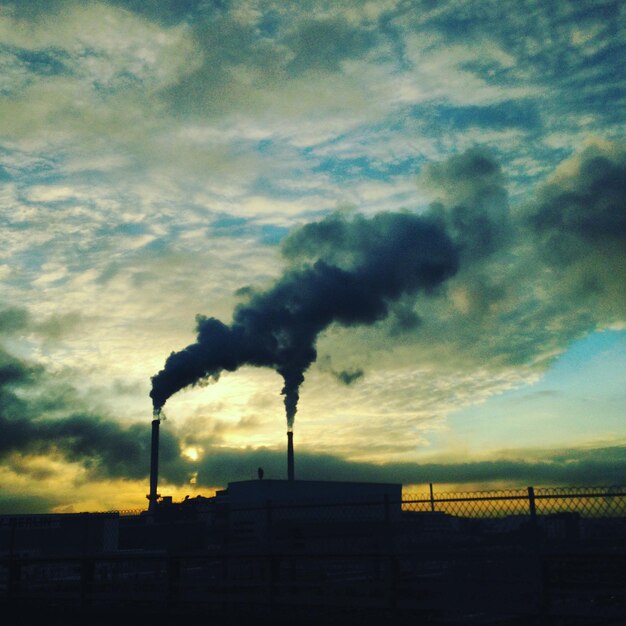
x,y
154,157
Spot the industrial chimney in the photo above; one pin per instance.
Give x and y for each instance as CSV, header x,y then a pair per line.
x,y
153,496
290,463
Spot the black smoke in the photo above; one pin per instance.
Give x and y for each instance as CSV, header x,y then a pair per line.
x,y
472,202
347,377
344,270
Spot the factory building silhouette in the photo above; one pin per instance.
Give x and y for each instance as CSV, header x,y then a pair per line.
x,y
242,514
247,511
312,550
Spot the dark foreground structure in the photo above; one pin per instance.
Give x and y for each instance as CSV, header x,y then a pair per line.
x,y
311,552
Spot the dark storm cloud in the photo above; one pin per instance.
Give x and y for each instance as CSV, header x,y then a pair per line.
x,y
14,371
37,419
12,504
583,215
577,229
102,446
532,278
360,267
474,206
600,466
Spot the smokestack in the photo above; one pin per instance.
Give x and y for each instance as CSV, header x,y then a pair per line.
x,y
290,464
153,496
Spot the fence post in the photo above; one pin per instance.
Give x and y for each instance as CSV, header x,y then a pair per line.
x,y
541,591
432,498
389,564
531,504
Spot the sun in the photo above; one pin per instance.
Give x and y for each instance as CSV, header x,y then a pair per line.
x,y
192,452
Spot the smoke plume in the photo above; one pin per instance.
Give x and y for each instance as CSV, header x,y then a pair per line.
x,y
344,271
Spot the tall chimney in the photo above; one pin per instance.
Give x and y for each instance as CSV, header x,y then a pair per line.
x,y
153,496
290,464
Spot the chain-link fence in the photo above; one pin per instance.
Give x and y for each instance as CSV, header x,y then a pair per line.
x,y
127,512
541,555
592,502
248,523
585,501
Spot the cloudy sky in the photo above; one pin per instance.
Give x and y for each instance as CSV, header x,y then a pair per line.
x,y
417,205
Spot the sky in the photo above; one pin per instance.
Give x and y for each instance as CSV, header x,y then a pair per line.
x,y
401,224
